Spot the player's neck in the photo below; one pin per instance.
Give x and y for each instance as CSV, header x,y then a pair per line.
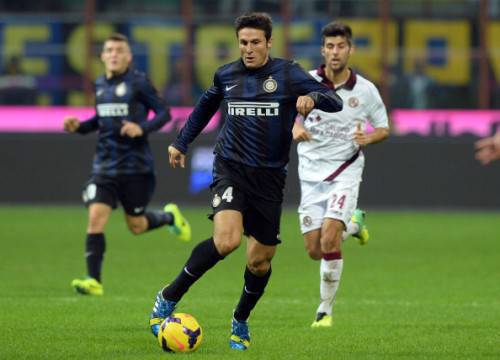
x,y
338,78
112,74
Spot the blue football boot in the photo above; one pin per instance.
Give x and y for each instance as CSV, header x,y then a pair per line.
x,y
161,310
240,336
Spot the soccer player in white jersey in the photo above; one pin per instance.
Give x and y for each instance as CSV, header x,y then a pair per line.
x,y
331,162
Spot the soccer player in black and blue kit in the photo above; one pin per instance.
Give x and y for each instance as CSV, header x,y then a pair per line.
x,y
123,168
262,96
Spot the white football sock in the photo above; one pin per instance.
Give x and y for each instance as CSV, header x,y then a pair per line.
x,y
351,228
330,272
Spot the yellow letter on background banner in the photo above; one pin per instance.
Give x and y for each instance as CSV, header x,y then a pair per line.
x,y
443,45
494,47
301,31
159,40
214,46
367,57
15,39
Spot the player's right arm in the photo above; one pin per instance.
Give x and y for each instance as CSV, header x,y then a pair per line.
x,y
72,124
175,157
202,113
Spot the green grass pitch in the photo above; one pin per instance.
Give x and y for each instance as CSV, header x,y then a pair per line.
x,y
427,286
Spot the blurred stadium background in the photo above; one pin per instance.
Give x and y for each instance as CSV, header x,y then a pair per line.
x,y
431,59
439,55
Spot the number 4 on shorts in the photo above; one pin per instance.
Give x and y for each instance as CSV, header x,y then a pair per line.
x,y
228,194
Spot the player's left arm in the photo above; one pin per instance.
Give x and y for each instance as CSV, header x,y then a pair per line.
x,y
377,116
150,98
312,94
376,136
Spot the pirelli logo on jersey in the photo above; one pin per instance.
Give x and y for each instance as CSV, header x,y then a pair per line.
x,y
112,109
253,108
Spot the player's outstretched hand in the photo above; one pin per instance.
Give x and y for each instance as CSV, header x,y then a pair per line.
x,y
300,133
488,149
175,157
304,105
359,136
130,129
71,124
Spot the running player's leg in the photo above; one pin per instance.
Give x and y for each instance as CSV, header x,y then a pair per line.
x,y
256,276
311,214
356,224
228,228
262,228
312,244
330,269
99,196
338,212
95,245
135,193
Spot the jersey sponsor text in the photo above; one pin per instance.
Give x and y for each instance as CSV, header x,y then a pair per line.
x,y
245,108
112,109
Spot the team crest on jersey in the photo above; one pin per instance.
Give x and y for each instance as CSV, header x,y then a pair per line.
x,y
307,221
216,200
121,89
353,102
270,85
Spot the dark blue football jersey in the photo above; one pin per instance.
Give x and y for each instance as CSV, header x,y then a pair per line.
x,y
260,109
128,96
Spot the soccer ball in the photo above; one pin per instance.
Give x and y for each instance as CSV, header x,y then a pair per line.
x,y
180,333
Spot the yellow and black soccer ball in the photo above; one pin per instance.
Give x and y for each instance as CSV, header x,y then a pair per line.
x,y
180,332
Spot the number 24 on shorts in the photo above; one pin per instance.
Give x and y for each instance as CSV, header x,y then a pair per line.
x,y
337,201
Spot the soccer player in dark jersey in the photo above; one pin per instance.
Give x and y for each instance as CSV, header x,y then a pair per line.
x,y
123,168
262,96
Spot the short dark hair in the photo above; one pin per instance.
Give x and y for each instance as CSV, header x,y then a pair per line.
x,y
117,37
255,20
336,29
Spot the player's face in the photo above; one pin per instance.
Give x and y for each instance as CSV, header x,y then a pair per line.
x,y
254,48
116,56
336,52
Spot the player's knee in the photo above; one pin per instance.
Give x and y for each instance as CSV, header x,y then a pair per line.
x,y
329,246
136,225
314,253
96,225
259,267
93,229
134,229
227,241
331,240
227,245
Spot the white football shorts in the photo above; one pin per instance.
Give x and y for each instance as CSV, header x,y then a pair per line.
x,y
326,199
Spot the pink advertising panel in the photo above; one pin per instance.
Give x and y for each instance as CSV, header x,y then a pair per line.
x,y
404,122
444,122
50,119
